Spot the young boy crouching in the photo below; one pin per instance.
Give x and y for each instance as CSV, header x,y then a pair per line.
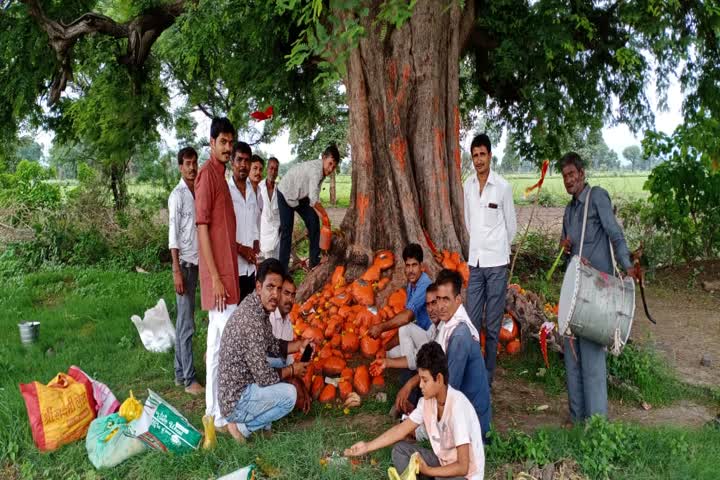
x,y
449,419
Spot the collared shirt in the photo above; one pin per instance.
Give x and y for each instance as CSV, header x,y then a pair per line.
x,y
416,300
182,231
246,342
602,228
302,181
247,212
269,219
282,329
490,220
214,208
459,425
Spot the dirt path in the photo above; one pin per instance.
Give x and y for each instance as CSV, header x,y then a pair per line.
x,y
520,405
688,322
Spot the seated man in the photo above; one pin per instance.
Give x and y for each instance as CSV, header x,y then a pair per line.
x,y
450,420
410,342
252,395
415,309
281,327
461,343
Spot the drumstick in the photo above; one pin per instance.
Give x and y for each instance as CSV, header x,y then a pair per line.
x,y
549,275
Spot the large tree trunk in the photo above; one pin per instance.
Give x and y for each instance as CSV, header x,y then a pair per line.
x,y
403,93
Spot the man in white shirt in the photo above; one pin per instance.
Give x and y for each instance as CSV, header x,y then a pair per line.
x,y
270,217
280,321
246,209
183,244
490,221
449,419
299,191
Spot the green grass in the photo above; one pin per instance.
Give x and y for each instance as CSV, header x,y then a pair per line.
x,y
84,315
620,187
85,321
343,184
614,450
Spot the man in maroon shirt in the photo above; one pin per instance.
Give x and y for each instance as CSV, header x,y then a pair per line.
x,y
215,220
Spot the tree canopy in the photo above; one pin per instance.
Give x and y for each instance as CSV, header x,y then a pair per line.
x,y
102,72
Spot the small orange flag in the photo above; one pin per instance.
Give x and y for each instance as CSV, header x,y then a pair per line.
x,y
543,172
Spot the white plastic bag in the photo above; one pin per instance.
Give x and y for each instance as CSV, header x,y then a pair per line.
x,y
245,473
156,330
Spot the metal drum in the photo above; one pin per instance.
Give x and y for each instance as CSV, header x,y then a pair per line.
x,y
596,306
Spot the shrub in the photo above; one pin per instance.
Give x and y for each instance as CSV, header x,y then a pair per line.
x,y
640,226
605,446
685,193
85,229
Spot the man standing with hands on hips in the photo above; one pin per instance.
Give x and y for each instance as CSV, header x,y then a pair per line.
x,y
490,221
215,218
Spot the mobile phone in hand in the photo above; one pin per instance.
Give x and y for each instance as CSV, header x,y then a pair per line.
x,y
307,353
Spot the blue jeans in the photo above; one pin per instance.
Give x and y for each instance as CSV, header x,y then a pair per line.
x,y
185,326
586,378
287,223
276,362
486,293
259,406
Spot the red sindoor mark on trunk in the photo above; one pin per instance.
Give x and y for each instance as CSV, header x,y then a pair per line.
x,y
362,204
398,147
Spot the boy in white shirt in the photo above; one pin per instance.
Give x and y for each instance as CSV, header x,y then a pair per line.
x,y
449,419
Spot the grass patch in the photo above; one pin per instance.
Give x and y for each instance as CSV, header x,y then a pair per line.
x,y
613,450
87,323
529,366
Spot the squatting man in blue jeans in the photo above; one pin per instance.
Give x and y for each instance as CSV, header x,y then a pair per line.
x,y
252,393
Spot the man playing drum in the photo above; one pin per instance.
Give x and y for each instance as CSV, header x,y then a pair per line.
x,y
585,360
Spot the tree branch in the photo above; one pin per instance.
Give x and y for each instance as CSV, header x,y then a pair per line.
x,y
204,110
141,32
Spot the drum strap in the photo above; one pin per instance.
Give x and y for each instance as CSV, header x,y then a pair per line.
x,y
585,213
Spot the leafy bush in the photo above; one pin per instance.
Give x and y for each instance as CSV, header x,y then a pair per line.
x,y
685,192
28,187
86,230
519,446
640,226
605,446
